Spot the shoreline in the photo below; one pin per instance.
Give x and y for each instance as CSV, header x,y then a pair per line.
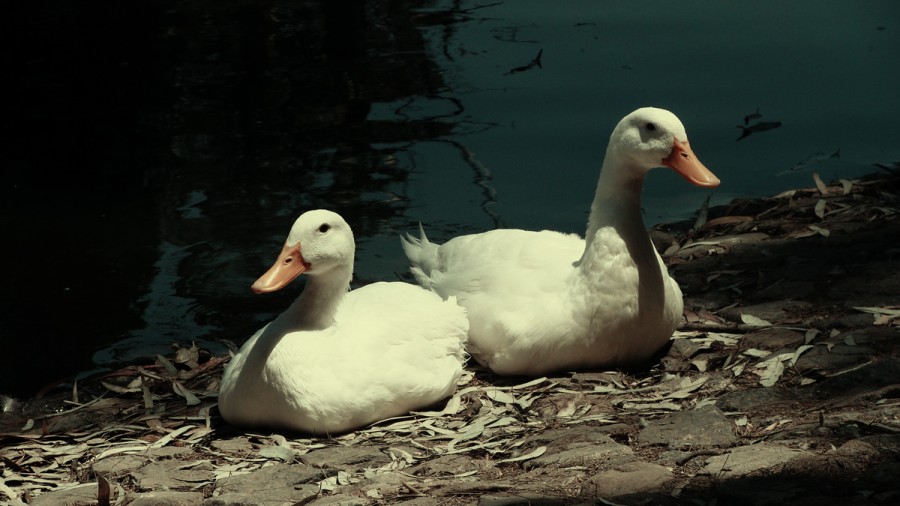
x,y
780,385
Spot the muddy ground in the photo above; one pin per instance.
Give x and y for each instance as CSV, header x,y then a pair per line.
x,y
782,386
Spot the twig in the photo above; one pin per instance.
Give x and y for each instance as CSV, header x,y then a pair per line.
x,y
699,453
739,328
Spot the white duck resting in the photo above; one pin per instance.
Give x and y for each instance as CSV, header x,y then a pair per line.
x,y
336,361
545,301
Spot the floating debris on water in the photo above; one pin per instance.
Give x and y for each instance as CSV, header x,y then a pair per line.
x,y
536,62
764,126
810,160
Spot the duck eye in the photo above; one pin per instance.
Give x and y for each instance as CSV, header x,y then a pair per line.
x,y
324,228
651,127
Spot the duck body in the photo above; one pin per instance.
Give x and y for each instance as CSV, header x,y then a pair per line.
x,y
544,301
335,361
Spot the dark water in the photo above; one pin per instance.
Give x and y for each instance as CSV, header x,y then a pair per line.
x,y
157,152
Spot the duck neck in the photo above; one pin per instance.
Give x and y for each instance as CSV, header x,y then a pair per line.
x,y
617,201
313,310
317,306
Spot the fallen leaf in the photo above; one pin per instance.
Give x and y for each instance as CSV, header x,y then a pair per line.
x,y
183,391
168,366
499,396
820,208
847,186
820,185
810,335
753,352
824,232
880,310
102,491
281,453
537,452
796,356
773,371
754,321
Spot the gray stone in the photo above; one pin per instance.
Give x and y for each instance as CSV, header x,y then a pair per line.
x,y
235,445
604,451
447,465
840,356
346,458
774,338
270,485
173,474
699,428
84,494
745,460
628,479
341,500
754,399
118,465
166,498
562,438
521,500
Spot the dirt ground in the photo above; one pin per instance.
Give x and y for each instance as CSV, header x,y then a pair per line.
x,y
783,385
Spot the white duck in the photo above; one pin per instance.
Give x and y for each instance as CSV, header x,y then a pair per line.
x,y
336,361
545,301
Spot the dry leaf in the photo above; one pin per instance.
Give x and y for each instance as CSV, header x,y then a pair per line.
x,y
537,452
754,321
499,396
102,491
810,335
168,366
847,186
820,208
824,232
772,373
281,453
819,184
183,391
753,352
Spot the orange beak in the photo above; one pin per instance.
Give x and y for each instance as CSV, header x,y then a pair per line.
x,y
288,266
685,162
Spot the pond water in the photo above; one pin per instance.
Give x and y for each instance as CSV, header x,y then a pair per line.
x,y
160,152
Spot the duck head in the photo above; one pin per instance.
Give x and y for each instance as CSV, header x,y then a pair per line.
x,y
651,137
320,242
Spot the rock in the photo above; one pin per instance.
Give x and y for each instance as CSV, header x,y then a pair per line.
x,y
173,474
118,465
166,498
779,311
341,500
520,500
603,452
346,458
754,399
84,494
276,484
447,465
562,438
167,452
774,339
700,428
628,479
235,445
839,357
745,460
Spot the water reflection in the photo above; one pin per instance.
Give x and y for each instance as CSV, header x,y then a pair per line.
x,y
214,124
